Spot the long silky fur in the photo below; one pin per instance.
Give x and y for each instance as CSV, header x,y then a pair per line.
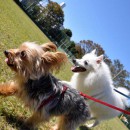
x,y
34,83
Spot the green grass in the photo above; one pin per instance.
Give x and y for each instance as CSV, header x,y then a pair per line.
x,y
15,28
113,124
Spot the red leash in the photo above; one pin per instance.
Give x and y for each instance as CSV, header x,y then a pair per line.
x,y
44,102
104,103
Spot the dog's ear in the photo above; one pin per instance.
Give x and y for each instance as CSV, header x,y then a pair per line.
x,y
99,59
49,47
93,52
54,60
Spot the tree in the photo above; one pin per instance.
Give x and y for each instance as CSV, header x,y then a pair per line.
x,y
89,45
29,3
52,16
35,12
122,78
72,48
49,18
68,32
80,51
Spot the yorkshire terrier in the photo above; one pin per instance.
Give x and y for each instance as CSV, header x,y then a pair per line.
x,y
40,90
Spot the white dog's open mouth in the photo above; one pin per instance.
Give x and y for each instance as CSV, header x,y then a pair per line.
x,y
78,69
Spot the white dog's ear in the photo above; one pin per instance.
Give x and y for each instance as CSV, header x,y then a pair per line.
x,y
99,59
93,52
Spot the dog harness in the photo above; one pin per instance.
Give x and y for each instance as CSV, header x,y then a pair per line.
x,y
45,102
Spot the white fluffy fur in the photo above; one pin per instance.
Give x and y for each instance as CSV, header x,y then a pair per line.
x,y
97,81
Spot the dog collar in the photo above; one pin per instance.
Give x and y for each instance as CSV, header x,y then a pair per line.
x,y
49,99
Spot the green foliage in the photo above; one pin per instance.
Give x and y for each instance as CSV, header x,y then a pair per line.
x,y
72,48
52,16
49,18
35,12
68,32
28,3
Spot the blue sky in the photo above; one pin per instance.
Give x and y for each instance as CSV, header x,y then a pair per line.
x,y
106,22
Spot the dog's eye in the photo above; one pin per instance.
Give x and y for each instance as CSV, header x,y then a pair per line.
x,y
23,54
85,62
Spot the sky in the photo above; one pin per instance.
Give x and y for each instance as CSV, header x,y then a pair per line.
x,y
106,22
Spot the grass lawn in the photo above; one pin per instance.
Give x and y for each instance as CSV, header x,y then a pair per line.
x,y
113,124
15,28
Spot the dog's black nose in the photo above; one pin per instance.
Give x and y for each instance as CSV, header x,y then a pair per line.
x,y
74,60
6,52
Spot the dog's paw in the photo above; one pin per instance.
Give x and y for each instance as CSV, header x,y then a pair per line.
x,y
91,125
54,127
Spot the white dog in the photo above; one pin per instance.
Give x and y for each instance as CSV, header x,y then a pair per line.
x,y
93,77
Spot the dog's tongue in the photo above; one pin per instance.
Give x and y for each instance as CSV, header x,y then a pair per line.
x,y
78,69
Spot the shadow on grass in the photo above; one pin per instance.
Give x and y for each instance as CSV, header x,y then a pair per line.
x,y
83,128
19,122
15,121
